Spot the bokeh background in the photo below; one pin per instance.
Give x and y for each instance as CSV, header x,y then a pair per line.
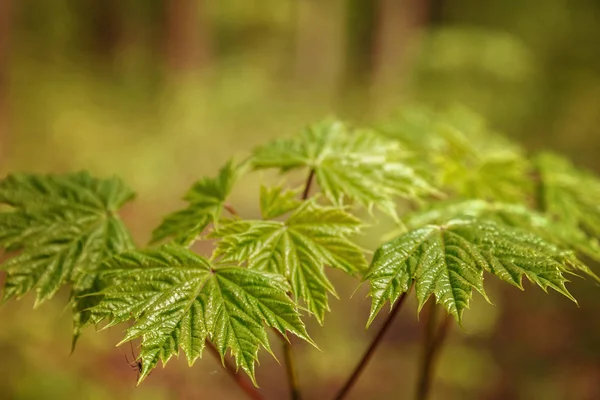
x,y
162,92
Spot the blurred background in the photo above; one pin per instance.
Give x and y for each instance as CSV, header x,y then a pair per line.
x,y
162,92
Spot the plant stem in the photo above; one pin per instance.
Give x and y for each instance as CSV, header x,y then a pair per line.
x,y
371,349
539,198
230,209
244,383
307,186
432,345
290,367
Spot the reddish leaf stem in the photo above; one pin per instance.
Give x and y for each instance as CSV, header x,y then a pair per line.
x,y
230,209
308,185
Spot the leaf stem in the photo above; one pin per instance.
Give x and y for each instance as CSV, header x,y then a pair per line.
x,y
244,383
230,209
539,201
432,345
307,186
372,347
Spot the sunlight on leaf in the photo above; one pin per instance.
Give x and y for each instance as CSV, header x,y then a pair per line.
x,y
448,261
298,248
352,164
179,300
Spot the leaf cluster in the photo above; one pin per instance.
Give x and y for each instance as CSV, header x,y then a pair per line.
x,y
480,207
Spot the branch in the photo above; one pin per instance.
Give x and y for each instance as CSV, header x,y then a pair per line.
x,y
244,384
432,345
372,347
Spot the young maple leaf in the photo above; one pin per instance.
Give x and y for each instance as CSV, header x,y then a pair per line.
x,y
355,164
206,199
448,261
179,300
558,232
568,193
63,227
299,247
462,155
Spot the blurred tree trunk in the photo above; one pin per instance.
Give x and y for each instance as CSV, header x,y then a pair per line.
x,y
361,21
399,28
5,40
108,29
187,35
436,11
318,39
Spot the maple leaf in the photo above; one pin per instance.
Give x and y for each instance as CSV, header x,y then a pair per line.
x,y
359,165
448,261
461,155
568,193
206,199
62,227
179,300
298,248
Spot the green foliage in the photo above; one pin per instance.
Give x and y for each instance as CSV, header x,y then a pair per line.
x,y
569,194
64,229
274,202
348,163
298,248
59,228
462,156
206,199
515,215
448,261
179,300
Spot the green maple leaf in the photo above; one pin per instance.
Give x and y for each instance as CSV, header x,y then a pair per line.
x,y
179,300
355,164
558,232
275,202
568,193
63,227
463,156
206,199
299,247
448,261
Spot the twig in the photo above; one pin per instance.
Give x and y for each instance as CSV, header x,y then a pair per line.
x,y
244,383
307,186
432,345
371,349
